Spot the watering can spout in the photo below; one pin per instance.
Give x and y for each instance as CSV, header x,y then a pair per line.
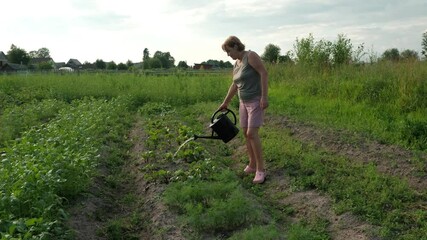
x,y
209,137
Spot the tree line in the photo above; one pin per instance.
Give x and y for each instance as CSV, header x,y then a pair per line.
x,y
160,60
305,51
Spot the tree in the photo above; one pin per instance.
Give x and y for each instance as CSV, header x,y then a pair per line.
x,y
391,54
129,64
303,49
271,53
424,45
410,55
284,59
45,66
182,64
18,55
154,63
321,53
41,53
146,55
166,60
341,50
100,64
112,66
122,66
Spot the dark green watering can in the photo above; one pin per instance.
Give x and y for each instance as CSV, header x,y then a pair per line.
x,y
222,126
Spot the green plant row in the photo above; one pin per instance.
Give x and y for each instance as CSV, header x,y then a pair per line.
x,y
16,119
49,164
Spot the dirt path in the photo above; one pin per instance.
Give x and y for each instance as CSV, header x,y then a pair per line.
x,y
389,159
162,223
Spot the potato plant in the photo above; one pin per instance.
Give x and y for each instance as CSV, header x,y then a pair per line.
x,y
50,163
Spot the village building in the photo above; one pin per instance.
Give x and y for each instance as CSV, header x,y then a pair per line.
x,y
6,66
202,66
74,64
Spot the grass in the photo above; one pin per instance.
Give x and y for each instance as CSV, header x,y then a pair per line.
x,y
384,102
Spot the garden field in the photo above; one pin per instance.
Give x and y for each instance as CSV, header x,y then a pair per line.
x,y
94,156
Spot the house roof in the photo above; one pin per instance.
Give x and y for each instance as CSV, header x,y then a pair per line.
x,y
13,67
74,62
3,57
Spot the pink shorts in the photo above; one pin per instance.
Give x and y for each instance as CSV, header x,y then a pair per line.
x,y
251,114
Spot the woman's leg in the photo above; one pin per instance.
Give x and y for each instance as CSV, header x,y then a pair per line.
x,y
250,150
253,142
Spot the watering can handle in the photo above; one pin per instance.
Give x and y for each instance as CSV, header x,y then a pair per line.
x,y
227,111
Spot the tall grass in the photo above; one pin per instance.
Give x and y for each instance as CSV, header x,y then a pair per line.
x,y
175,88
385,100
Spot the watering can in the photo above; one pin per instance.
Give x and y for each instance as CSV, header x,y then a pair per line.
x,y
224,128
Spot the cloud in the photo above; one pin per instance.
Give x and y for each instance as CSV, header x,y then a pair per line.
x,y
194,30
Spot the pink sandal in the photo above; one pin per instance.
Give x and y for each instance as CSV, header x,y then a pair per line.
x,y
259,177
249,169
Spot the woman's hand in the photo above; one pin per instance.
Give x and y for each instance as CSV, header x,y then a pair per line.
x,y
223,106
263,103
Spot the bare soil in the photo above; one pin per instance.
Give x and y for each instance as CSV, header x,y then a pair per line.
x,y
91,213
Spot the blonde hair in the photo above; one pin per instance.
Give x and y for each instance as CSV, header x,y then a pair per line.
x,y
233,41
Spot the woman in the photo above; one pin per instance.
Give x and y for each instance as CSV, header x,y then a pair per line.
x,y
250,81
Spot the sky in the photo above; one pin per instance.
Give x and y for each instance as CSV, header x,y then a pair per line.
x,y
194,30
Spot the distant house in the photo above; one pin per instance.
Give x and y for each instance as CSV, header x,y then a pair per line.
x,y
74,64
3,59
202,66
6,66
12,67
59,65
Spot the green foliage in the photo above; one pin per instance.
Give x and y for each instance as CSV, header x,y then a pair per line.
x,y
342,50
323,53
100,64
271,53
41,53
409,55
354,187
45,66
302,232
182,64
29,114
18,55
303,49
391,54
414,132
219,64
50,163
424,45
212,206
382,96
122,66
112,66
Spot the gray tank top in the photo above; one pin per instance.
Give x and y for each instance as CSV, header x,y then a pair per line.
x,y
247,80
